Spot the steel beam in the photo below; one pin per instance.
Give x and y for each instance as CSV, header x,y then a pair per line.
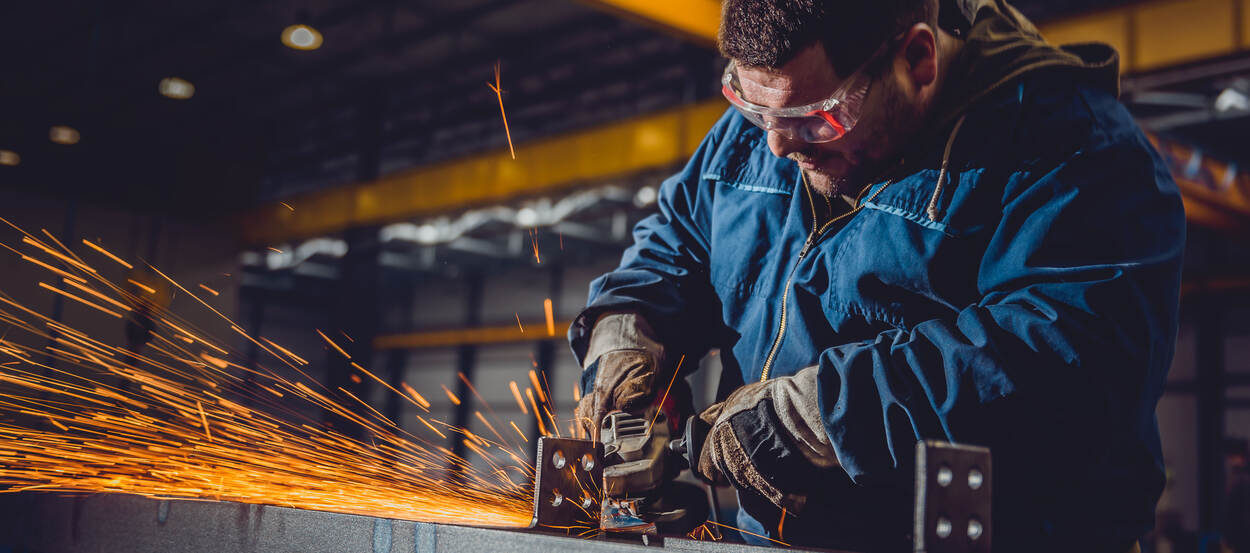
x,y
116,523
695,20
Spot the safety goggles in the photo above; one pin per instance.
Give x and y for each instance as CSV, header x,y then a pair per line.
x,y
818,122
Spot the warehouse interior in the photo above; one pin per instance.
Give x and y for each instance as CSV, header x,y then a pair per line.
x,y
362,176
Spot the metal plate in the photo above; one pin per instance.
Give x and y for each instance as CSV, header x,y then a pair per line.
x,y
952,498
568,474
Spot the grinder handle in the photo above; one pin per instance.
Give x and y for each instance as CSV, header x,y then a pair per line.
x,y
690,444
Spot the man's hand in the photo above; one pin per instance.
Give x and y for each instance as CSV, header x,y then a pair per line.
x,y
768,437
625,380
627,371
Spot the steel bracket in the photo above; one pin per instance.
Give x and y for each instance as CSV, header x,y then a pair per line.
x,y
567,477
952,498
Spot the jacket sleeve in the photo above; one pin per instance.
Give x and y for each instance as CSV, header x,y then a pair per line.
x,y
664,276
1068,344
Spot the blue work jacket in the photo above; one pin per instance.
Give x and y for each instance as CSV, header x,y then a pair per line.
x,y
1033,310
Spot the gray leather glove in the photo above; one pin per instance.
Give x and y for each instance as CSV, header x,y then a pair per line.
x,y
623,361
768,437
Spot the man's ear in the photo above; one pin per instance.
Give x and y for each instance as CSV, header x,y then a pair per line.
x,y
920,54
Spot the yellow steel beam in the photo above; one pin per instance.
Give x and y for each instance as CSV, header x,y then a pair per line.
x,y
1149,35
504,334
1216,194
561,162
1155,34
695,20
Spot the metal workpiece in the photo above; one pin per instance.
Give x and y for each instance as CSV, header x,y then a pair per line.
x,y
117,523
953,491
567,476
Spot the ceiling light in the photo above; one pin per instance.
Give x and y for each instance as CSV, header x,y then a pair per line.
x,y
645,196
62,134
301,37
526,217
176,88
1232,100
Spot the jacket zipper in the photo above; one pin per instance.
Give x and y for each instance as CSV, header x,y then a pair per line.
x,y
812,239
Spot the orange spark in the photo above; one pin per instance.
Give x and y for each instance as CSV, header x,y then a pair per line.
x,y
141,286
355,378
204,419
489,426
746,532
431,427
577,392
666,390
80,300
516,393
53,269
781,524
542,428
56,254
499,94
518,431
99,418
106,253
421,402
210,290
274,250
288,352
286,205
454,400
98,295
332,344
534,244
518,322
537,387
551,321
214,361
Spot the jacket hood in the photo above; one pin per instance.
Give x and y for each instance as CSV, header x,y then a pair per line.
x,y
1001,46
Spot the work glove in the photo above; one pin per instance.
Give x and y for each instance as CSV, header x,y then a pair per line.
x,y
625,371
768,437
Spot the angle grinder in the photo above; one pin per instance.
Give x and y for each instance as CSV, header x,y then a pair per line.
x,y
643,455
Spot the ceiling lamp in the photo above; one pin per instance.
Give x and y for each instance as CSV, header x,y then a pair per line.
x,y
301,37
62,134
177,88
10,158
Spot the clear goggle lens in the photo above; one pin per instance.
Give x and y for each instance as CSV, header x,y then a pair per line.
x,y
817,127
824,121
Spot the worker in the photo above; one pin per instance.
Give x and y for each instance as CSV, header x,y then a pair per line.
x,y
916,220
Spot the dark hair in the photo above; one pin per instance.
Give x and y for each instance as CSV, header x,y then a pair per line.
x,y
769,33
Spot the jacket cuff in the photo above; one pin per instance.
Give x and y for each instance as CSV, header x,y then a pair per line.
x,y
621,331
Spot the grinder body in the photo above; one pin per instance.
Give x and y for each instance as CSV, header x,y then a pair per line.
x,y
643,456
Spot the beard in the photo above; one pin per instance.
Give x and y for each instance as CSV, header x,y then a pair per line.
x,y
896,122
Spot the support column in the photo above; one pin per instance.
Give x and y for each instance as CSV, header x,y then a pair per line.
x,y
466,358
545,350
1209,337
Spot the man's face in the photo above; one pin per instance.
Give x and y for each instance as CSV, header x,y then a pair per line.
x,y
888,117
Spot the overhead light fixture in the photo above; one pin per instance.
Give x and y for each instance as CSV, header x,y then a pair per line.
x,y
526,217
10,158
62,134
645,196
301,37
1232,99
177,88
